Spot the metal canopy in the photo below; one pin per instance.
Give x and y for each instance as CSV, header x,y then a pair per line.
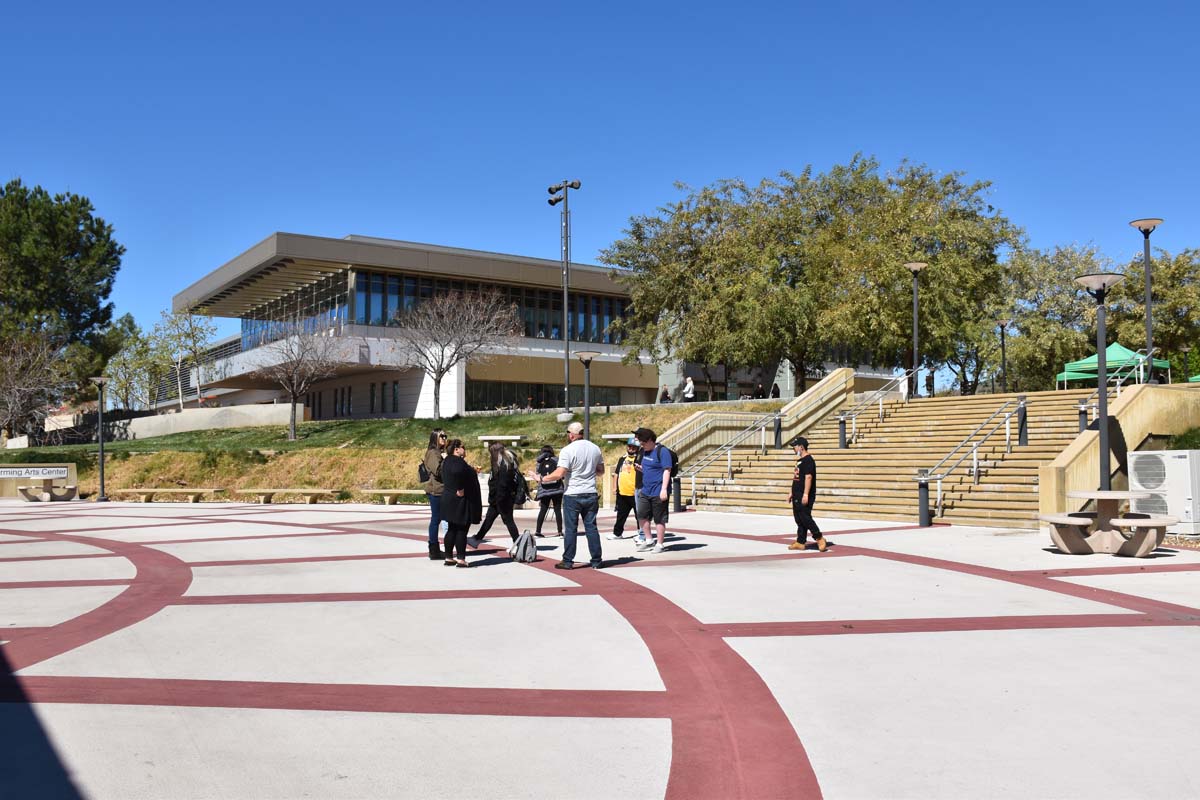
x,y
269,283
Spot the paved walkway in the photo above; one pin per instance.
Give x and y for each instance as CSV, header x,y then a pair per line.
x,y
237,651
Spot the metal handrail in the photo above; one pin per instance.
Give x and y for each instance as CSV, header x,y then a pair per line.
x,y
876,396
759,425
701,426
937,473
1118,378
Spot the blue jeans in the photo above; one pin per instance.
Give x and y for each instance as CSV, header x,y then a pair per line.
x,y
435,516
574,505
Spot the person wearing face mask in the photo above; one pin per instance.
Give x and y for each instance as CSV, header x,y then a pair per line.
x,y
629,480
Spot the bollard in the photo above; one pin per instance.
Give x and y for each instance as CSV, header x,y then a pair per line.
x,y
924,519
1082,417
842,432
678,486
1022,421
779,433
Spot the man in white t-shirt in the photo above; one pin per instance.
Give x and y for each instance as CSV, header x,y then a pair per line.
x,y
579,463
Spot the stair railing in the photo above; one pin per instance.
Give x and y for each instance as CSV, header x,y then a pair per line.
x,y
875,398
969,447
1136,366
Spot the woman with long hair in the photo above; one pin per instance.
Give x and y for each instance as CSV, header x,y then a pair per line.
x,y
502,492
549,494
432,464
461,504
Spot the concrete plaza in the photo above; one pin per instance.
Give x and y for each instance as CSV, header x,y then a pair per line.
x,y
241,651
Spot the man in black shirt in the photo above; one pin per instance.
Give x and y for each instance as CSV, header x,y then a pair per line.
x,y
804,491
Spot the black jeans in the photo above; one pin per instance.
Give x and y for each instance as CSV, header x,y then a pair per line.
x,y
505,512
804,521
456,540
545,504
625,504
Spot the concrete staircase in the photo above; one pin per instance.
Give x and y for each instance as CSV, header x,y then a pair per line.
x,y
873,478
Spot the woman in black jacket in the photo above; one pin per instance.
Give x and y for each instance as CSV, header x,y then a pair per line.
x,y
461,503
502,492
549,493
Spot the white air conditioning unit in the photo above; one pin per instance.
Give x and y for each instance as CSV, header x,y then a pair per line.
x,y
1173,479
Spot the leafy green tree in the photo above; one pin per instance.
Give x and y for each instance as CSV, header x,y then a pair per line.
x,y
57,263
133,373
1175,298
1054,320
179,340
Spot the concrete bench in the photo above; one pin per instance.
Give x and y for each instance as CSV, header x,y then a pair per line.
x,y
513,440
193,495
616,437
1145,534
47,492
1069,533
265,495
392,496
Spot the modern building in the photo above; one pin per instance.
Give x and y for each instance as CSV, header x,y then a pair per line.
x,y
357,288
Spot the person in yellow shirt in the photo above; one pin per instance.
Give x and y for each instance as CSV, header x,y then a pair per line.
x,y
629,478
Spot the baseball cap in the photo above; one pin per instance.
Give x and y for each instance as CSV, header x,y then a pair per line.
x,y
632,442
575,427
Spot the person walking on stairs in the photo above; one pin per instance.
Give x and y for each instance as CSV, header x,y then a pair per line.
x,y
802,495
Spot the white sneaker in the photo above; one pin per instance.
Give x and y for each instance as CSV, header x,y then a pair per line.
x,y
644,546
614,536
658,548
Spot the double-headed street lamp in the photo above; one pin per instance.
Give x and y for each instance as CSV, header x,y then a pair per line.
x,y
100,381
1098,284
1147,226
586,357
915,268
565,187
1003,323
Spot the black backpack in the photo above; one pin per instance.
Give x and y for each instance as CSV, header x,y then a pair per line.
x,y
422,473
674,461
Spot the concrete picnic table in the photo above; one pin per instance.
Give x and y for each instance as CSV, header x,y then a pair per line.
x,y
1084,533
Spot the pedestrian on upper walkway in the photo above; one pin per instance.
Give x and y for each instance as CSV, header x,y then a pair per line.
x,y
804,491
689,390
579,463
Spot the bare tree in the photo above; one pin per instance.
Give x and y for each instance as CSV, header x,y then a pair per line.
x,y
447,329
32,377
181,338
300,359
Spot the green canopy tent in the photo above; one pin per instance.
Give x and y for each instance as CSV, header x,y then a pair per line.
x,y
1116,355
1194,380
1063,377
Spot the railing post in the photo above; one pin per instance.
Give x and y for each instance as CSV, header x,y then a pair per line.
x,y
1008,432
1022,421
678,493
729,464
1083,416
842,432
693,489
923,517
975,463
779,432
881,408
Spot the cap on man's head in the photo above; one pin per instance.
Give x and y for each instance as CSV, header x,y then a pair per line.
x,y
645,435
632,442
575,428
800,441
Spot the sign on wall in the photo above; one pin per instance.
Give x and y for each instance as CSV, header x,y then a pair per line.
x,y
33,472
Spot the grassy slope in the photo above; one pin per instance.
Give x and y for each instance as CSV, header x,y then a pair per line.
x,y
336,454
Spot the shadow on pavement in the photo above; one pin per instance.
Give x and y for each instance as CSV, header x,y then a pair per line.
x,y
31,766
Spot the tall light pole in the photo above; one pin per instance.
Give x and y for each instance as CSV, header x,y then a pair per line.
x,y
915,268
586,357
1097,284
1147,226
565,187
1003,323
100,381
1186,349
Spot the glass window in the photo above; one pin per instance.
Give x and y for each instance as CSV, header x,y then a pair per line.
x,y
556,315
395,397
442,287
606,320
529,312
349,400
426,288
362,287
378,299
393,299
410,292
371,395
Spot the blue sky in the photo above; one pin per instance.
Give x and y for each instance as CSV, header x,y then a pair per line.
x,y
197,133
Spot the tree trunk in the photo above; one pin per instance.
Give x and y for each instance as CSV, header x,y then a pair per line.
x,y
437,397
292,422
179,382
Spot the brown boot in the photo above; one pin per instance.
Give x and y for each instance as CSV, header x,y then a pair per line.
x,y
821,544
796,546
